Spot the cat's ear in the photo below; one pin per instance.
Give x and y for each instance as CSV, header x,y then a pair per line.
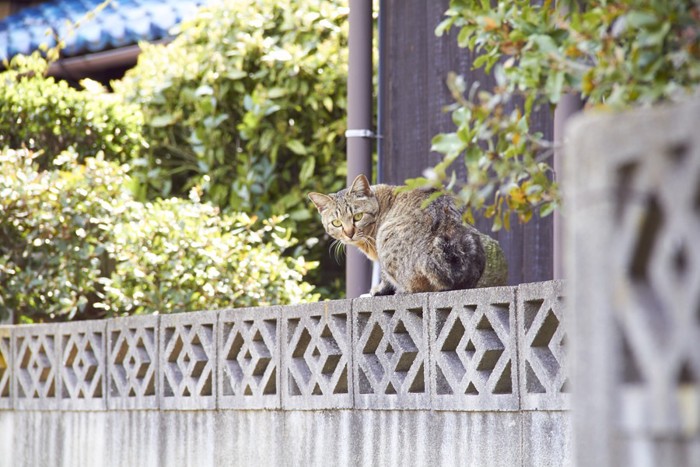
x,y
320,200
360,186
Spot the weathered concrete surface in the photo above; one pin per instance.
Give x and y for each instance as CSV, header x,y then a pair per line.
x,y
317,356
542,348
283,438
7,437
391,353
424,379
633,224
248,353
473,350
481,438
132,362
547,438
188,377
473,347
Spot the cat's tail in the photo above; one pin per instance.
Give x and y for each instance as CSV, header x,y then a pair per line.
x,y
496,268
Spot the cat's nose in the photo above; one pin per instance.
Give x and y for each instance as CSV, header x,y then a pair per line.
x,y
349,231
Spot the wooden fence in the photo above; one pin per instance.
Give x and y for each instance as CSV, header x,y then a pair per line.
x,y
415,65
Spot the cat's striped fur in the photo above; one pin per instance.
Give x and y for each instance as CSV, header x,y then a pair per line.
x,y
419,249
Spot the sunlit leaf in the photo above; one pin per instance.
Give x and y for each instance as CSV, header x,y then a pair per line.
x,y
296,146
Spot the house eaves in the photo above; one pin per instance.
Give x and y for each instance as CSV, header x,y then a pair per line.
x,y
107,40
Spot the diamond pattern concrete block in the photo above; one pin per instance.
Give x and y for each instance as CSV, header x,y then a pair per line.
x,y
633,189
655,264
544,370
249,358
473,349
317,356
187,375
390,352
35,367
132,362
5,367
82,365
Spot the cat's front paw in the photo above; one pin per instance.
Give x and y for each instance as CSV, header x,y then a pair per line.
x,y
382,289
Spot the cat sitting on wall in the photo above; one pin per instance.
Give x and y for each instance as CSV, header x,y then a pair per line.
x,y
419,249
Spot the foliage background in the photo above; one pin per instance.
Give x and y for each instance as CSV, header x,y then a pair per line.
x,y
614,53
247,107
74,244
46,115
243,112
249,102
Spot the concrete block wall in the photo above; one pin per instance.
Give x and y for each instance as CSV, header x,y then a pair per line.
x,y
474,377
633,251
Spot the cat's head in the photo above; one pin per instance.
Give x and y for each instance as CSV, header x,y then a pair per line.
x,y
350,214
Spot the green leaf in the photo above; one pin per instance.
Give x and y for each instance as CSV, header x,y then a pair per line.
x,y
275,93
448,143
204,90
248,102
654,38
640,19
547,209
464,36
236,74
430,199
443,27
160,121
300,215
545,43
297,147
480,61
307,170
328,103
554,86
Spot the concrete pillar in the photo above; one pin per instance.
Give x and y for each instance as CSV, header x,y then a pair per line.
x,y
633,267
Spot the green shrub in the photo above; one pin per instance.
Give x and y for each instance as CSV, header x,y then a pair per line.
x,y
37,112
175,255
248,102
614,54
74,245
54,228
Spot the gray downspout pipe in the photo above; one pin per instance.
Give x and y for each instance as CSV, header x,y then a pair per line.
x,y
381,41
359,135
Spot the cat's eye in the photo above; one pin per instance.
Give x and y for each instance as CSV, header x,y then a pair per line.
x,y
357,217
336,223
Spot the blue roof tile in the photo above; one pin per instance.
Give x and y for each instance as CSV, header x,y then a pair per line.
x,y
123,22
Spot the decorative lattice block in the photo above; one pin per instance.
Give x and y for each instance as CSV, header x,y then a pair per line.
x,y
390,352
544,372
473,348
36,367
82,365
187,358
249,358
132,362
655,262
316,362
5,367
633,189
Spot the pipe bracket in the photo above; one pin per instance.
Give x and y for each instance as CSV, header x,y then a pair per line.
x,y
361,134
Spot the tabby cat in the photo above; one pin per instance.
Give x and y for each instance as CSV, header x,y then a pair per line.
x,y
419,249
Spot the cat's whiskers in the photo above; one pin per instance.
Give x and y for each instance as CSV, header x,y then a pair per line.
x,y
338,249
